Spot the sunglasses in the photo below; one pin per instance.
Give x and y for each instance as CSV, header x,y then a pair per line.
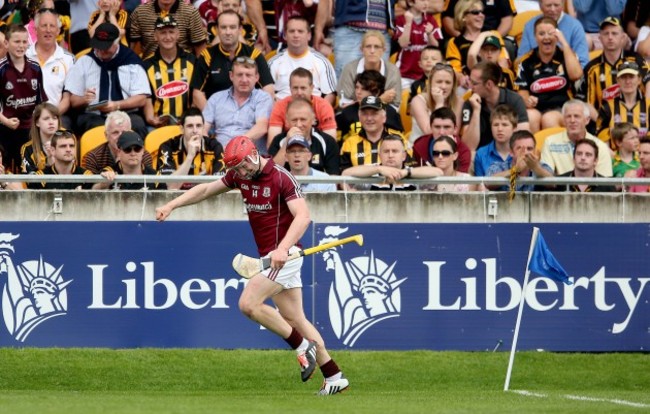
x,y
131,149
245,59
46,10
63,132
444,153
475,12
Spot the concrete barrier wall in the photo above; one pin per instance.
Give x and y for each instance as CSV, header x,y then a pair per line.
x,y
354,207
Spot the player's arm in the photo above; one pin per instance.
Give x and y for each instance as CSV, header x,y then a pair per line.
x,y
300,223
192,196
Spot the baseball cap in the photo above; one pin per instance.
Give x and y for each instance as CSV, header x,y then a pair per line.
x,y
129,139
298,140
626,68
167,21
371,102
105,36
613,21
492,41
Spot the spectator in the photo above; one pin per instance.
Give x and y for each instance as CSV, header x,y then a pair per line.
x,y
414,30
193,37
130,151
80,12
110,78
286,9
630,106
299,157
373,45
469,19
63,151
248,33
585,159
524,161
109,11
170,72
443,122
263,16
444,154
7,185
241,109
487,48
503,121
499,15
557,151
212,72
486,96
298,54
392,159
301,85
351,20
55,61
570,28
190,153
599,83
429,56
635,17
35,154
440,92
545,75
626,137
363,147
21,89
300,118
644,170
591,13
105,155
367,83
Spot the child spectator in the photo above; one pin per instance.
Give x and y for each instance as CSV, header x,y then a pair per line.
x,y
625,136
503,122
35,153
428,58
414,30
109,11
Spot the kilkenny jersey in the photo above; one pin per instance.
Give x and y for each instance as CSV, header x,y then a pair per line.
x,y
599,82
614,111
212,71
265,199
549,82
456,55
359,150
172,154
170,82
51,170
29,163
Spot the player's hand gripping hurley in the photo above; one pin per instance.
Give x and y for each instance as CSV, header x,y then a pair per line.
x,y
248,267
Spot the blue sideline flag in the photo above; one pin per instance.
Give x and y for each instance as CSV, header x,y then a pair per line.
x,y
544,263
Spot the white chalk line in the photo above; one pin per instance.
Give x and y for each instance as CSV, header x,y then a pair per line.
x,y
583,398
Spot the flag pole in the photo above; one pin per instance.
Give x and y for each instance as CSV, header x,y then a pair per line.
x,y
522,301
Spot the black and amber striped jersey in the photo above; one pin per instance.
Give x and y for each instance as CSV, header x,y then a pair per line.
x,y
170,82
615,111
212,71
359,150
30,163
456,55
51,170
549,82
599,82
172,153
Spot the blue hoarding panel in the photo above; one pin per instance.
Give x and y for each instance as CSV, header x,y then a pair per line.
x,y
410,286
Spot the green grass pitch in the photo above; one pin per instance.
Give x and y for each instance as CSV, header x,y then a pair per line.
x,y
157,381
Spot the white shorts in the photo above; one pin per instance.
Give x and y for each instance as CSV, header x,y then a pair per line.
x,y
289,276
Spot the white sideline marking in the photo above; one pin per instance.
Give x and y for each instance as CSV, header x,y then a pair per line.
x,y
616,401
582,398
529,393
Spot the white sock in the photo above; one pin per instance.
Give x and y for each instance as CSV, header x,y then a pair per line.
x,y
303,346
334,377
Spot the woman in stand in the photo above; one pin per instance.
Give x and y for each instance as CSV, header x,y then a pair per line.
x,y
445,156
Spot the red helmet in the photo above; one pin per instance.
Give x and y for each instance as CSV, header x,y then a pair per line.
x,y
237,150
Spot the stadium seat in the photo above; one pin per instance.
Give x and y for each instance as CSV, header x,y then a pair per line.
x,y
407,121
158,136
540,136
91,139
518,23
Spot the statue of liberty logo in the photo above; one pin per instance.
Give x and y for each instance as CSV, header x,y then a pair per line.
x,y
365,291
33,293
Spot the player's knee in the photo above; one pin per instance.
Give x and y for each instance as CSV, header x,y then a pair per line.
x,y
246,307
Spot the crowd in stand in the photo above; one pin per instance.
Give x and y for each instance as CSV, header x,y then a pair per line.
x,y
394,89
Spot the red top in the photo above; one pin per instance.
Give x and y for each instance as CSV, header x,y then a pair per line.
x,y
265,198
